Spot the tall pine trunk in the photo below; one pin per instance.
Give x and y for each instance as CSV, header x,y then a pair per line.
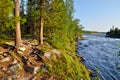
x,y
41,32
17,28
41,24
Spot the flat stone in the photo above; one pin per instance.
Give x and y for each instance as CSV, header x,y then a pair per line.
x,y
36,70
47,55
5,59
14,61
22,49
1,52
10,43
56,51
5,54
20,52
3,68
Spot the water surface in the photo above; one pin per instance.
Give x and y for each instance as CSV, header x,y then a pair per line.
x,y
101,53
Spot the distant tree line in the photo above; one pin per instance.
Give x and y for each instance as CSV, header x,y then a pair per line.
x,y
113,33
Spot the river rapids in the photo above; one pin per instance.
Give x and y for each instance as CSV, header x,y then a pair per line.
x,y
101,55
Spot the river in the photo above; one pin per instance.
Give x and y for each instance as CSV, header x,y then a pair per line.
x,y
101,55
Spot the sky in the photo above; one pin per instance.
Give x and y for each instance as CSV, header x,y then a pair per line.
x,y
98,15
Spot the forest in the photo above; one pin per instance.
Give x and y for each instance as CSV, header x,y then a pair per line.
x,y
43,27
113,33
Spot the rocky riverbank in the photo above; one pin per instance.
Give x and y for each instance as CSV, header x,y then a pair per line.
x,y
32,62
24,63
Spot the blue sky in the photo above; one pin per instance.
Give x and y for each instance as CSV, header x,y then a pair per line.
x,y
98,15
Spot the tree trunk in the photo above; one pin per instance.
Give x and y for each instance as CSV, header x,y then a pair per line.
x,y
41,32
17,28
41,24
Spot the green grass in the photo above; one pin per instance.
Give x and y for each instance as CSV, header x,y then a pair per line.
x,y
66,66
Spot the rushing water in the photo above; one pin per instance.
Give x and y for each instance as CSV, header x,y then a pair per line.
x,y
101,54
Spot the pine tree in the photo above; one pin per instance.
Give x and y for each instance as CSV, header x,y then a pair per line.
x,y
41,22
18,42
56,17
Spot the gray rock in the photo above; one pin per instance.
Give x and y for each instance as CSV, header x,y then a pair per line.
x,y
44,68
29,69
5,78
14,68
13,77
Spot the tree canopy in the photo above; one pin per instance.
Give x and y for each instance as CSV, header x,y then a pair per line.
x,y
114,33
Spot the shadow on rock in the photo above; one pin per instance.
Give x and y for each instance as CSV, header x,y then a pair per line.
x,y
37,51
7,46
